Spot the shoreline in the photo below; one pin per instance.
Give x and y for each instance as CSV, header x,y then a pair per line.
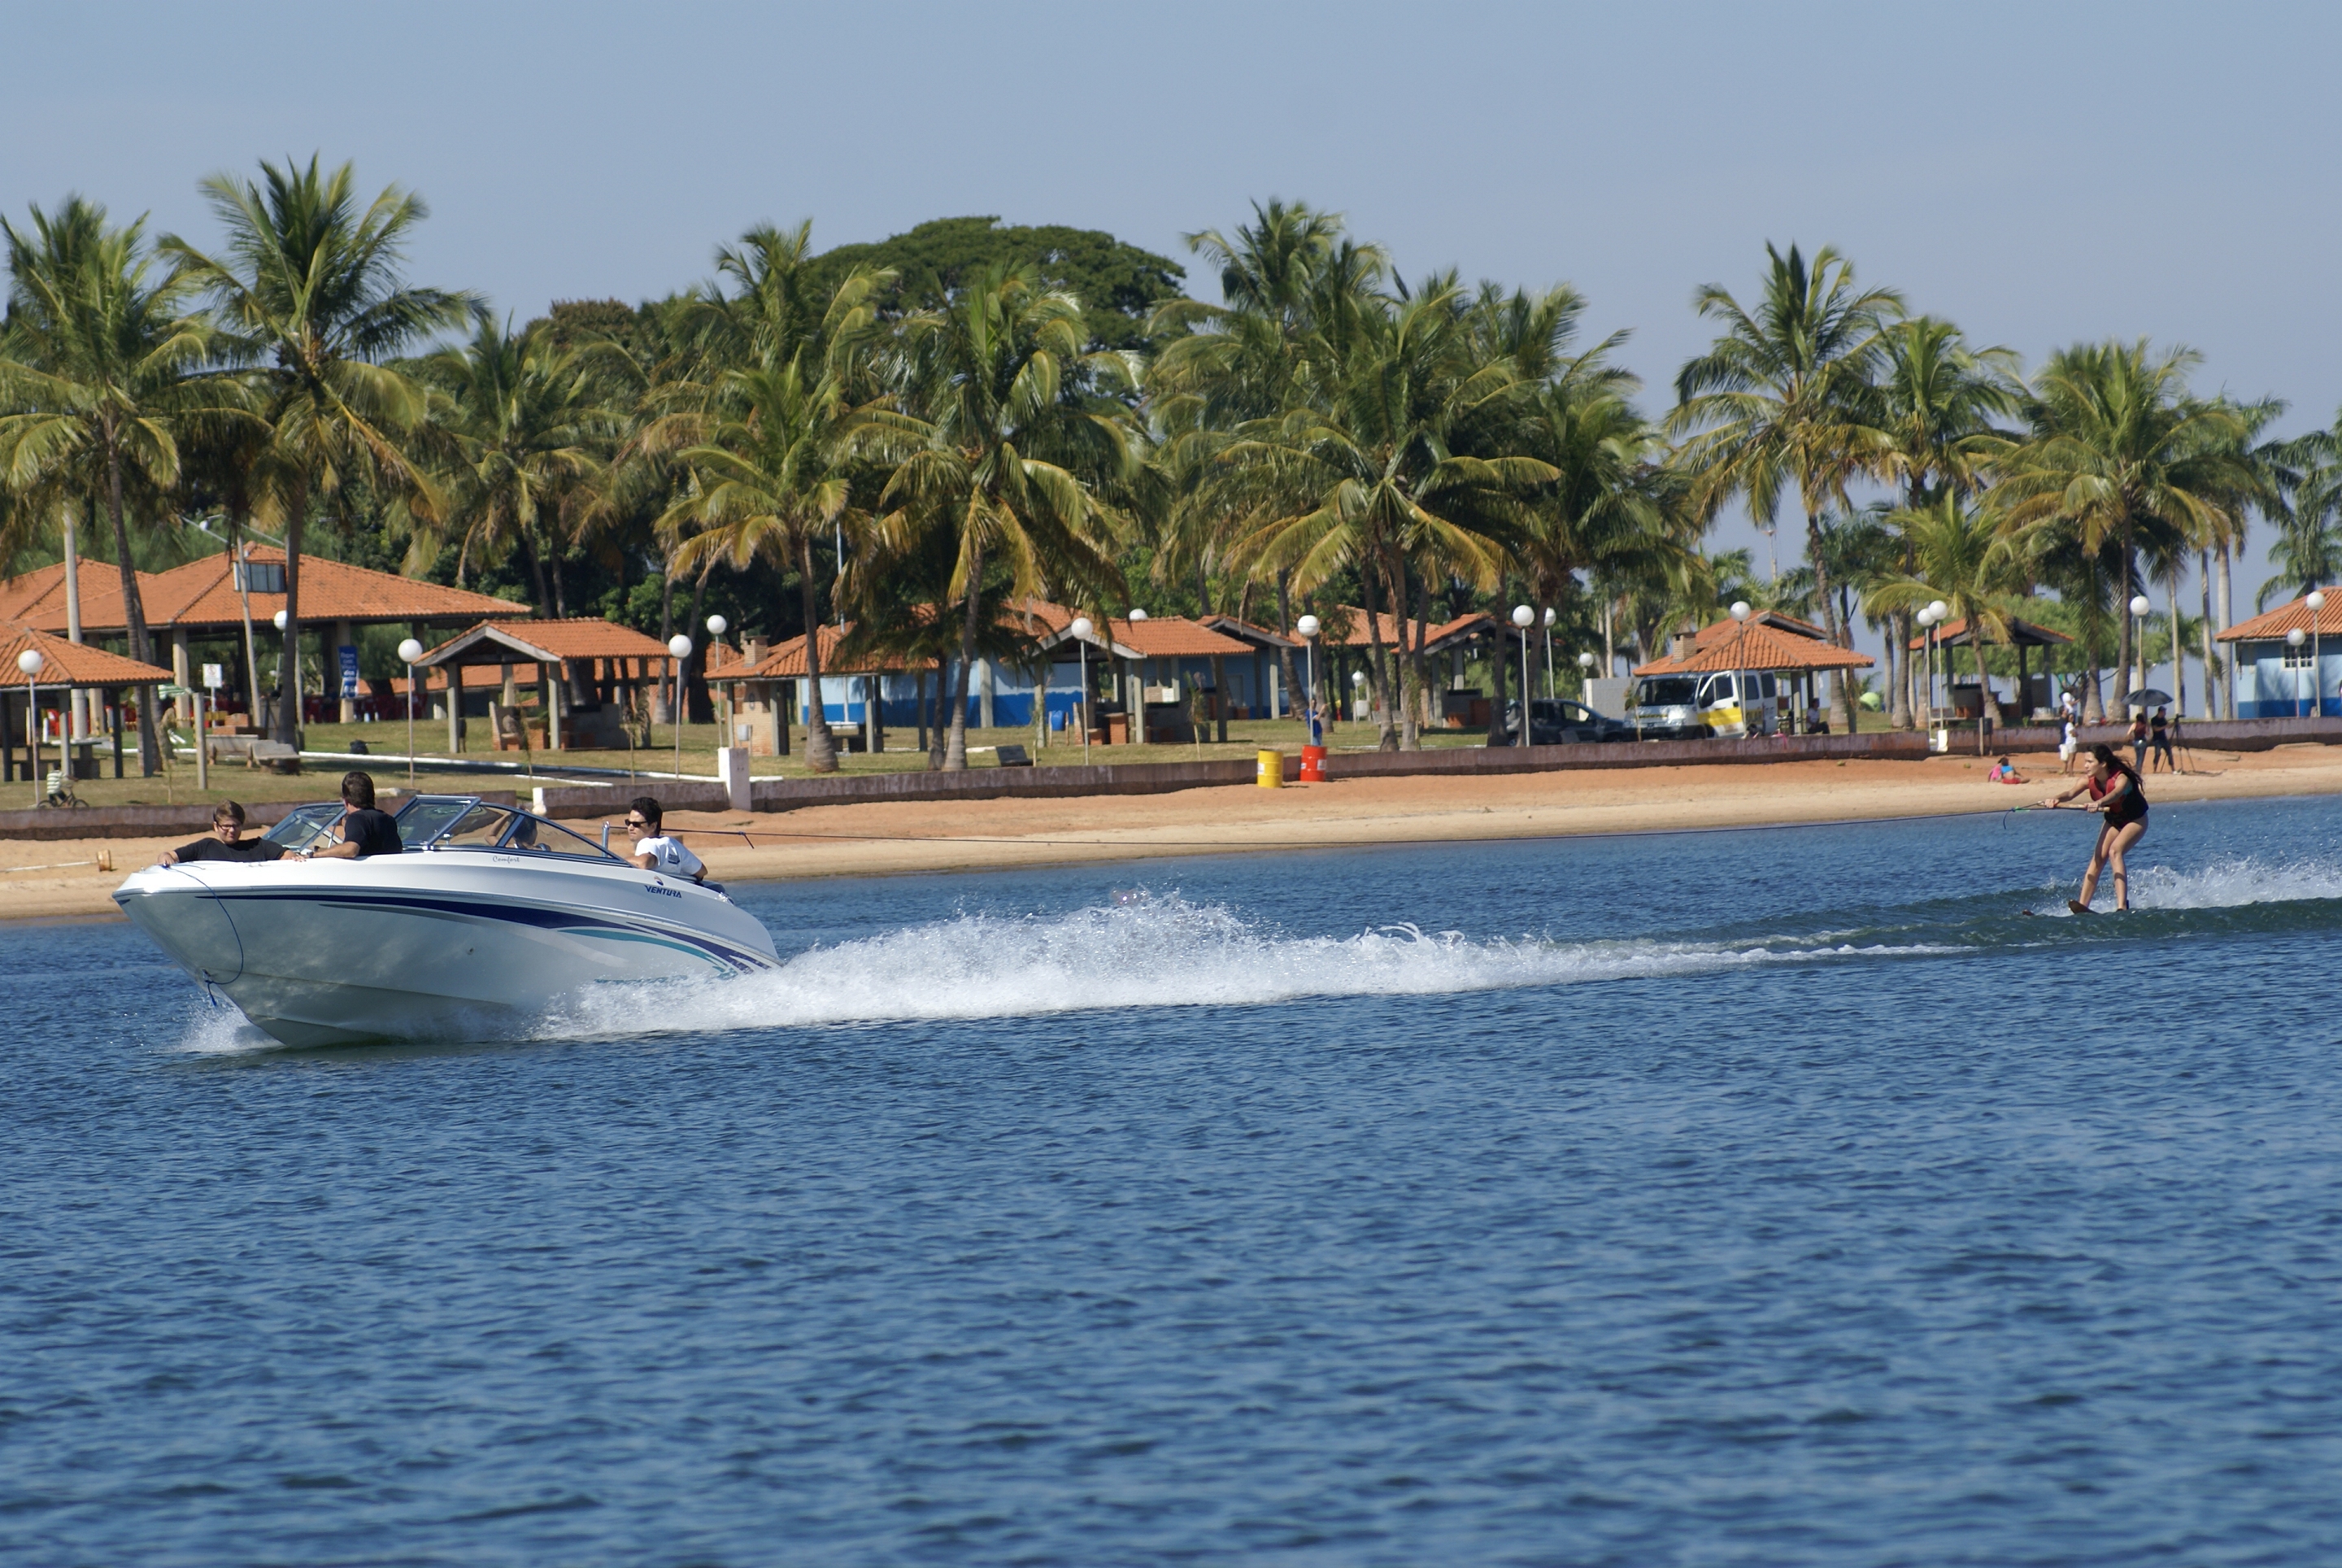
x,y
912,839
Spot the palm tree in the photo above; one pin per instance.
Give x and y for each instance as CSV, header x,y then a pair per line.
x,y
1017,451
2307,549
101,363
767,420
1406,467
1938,400
526,429
2118,447
1964,557
1784,396
308,290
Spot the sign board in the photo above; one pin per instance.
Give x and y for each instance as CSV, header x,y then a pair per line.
x,y
349,670
212,677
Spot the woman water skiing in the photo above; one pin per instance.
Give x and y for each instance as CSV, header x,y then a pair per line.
x,y
2114,790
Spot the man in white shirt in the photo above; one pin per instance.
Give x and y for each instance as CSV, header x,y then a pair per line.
x,y
654,851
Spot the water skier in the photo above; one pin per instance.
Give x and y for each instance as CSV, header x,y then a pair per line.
x,y
2114,789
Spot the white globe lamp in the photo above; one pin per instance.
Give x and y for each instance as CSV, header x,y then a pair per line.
x,y
280,617
1137,615
717,625
1740,610
1586,661
1523,616
1306,626
1940,609
1551,614
679,646
409,651
29,662
2316,600
2296,637
1082,627
2140,605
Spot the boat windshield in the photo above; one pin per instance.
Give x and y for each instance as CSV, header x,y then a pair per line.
x,y
467,822
535,835
425,818
305,827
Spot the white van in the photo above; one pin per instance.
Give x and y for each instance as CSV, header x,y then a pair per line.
x,y
1732,704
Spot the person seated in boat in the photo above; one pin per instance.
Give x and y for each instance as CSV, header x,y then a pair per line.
x,y
2005,772
363,830
524,837
654,851
227,842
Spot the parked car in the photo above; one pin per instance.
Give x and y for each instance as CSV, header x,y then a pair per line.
x,y
1553,721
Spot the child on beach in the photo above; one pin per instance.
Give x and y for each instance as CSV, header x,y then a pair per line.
x,y
2004,773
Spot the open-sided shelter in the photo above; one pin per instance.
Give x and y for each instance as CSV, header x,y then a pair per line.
x,y
609,661
64,667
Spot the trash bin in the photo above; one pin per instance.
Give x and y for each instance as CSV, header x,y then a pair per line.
x,y
1271,769
1312,765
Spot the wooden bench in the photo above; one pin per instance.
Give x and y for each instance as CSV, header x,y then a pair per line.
x,y
1012,757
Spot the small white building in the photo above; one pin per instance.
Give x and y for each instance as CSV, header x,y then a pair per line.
x,y
2275,679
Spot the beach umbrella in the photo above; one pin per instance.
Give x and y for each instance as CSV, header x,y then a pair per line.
x,y
2148,697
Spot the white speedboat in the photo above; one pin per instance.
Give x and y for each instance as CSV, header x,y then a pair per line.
x,y
491,916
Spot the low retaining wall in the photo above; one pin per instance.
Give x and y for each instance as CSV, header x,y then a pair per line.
x,y
2230,735
159,821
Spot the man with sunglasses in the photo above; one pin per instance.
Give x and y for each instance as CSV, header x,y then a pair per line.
x,y
654,851
227,843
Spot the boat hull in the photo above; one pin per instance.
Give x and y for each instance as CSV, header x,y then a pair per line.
x,y
446,945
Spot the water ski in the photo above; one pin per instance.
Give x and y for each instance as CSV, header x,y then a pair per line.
x,y
2077,907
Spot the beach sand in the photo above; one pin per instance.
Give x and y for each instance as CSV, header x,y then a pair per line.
x,y
891,838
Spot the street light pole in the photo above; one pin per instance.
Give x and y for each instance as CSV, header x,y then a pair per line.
x,y
2317,602
1523,617
410,650
679,646
29,664
2294,639
1551,614
1308,627
1081,630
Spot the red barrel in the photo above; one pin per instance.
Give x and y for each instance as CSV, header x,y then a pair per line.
x,y
1312,765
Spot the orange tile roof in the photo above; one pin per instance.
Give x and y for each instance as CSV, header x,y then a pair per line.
x,y
70,663
577,637
203,594
37,598
1241,629
1157,637
1955,634
1757,646
787,661
2272,626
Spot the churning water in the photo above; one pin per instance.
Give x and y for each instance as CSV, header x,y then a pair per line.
x,y
1767,1197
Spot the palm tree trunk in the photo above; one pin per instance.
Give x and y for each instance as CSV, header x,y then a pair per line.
x,y
1984,685
1376,672
1841,692
935,742
1285,655
2211,686
2123,636
1498,663
134,611
692,679
1405,673
2178,649
821,745
2227,620
663,688
956,747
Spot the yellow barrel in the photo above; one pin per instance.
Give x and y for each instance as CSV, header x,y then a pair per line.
x,y
1272,769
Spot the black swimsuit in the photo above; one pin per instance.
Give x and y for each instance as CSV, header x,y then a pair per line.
x,y
2131,806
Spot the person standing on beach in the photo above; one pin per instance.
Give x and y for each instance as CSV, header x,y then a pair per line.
x,y
2114,789
2139,740
2160,743
2068,740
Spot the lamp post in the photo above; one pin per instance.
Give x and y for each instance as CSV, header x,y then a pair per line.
x,y
716,626
1524,617
1740,613
28,663
1357,689
282,619
1586,674
1308,628
2294,639
2139,607
408,652
680,647
1081,630
1551,614
1938,612
2316,601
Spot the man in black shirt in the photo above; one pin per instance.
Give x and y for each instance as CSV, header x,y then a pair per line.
x,y
365,830
227,843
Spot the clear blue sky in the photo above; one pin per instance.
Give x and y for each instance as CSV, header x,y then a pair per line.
x,y
2040,172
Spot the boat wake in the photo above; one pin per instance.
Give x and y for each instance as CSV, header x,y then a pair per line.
x,y
1147,952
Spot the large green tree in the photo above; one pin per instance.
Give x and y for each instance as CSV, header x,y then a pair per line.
x,y
1784,399
101,363
309,291
1023,445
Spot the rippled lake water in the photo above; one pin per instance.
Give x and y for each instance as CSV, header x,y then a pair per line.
x,y
1732,1198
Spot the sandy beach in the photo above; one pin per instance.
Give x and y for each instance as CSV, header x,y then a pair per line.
x,y
61,879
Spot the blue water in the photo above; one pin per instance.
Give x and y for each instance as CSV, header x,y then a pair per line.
x,y
1734,1198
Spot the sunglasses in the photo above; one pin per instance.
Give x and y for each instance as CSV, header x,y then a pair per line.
x,y
637,822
